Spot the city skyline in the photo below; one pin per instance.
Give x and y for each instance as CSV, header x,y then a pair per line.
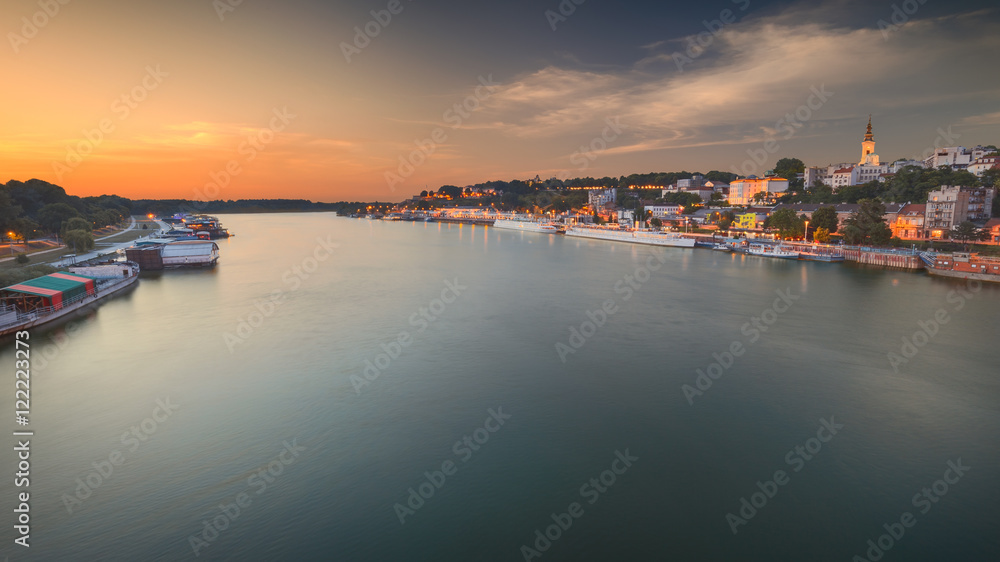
x,y
334,102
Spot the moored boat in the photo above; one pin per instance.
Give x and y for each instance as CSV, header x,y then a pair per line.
x,y
46,299
963,265
525,225
771,251
205,223
816,253
638,236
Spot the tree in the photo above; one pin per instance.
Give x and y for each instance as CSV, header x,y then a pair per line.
x,y
724,177
77,223
52,216
726,219
867,225
990,177
967,231
452,191
656,222
718,200
79,240
8,210
423,193
826,218
22,259
821,235
786,222
790,168
24,228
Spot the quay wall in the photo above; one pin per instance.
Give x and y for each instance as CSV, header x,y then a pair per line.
x,y
884,259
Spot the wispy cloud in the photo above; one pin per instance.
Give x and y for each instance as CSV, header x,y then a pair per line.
x,y
758,71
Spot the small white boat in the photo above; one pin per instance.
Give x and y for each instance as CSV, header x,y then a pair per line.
x,y
769,251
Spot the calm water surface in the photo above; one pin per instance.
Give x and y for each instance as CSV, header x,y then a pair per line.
x,y
262,364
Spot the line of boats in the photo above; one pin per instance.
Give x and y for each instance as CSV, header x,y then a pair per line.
x,y
54,297
960,265
620,233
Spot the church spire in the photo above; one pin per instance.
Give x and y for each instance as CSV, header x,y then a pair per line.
x,y
868,135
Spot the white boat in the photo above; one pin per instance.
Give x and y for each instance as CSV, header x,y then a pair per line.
x,y
525,225
769,251
637,236
722,247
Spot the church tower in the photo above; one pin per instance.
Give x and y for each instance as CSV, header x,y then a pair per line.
x,y
868,155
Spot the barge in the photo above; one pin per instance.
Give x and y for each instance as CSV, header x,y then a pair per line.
x,y
52,297
525,225
963,265
637,236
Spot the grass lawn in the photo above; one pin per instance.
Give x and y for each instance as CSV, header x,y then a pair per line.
x,y
44,251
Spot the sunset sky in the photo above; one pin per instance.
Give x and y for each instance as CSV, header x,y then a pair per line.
x,y
186,89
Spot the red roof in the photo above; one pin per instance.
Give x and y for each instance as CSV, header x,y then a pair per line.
x,y
914,209
844,170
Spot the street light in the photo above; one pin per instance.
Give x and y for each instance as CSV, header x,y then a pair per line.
x,y
806,237
10,240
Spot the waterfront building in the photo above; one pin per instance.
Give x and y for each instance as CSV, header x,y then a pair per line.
x,y
980,207
909,224
742,191
946,208
993,227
